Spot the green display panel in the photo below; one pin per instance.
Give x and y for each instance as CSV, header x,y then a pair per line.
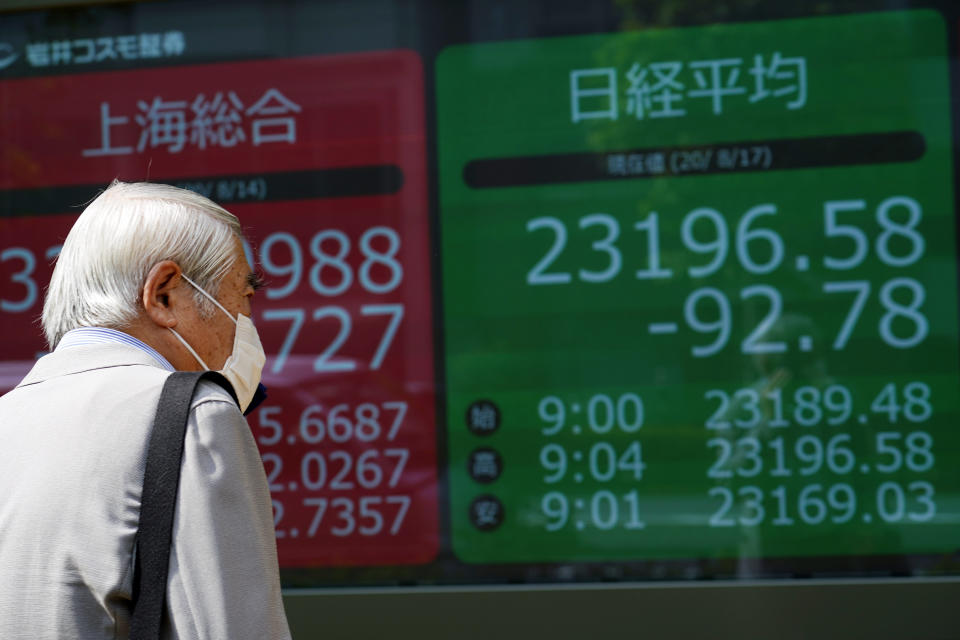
x,y
699,292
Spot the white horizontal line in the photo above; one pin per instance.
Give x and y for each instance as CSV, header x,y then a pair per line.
x,y
662,327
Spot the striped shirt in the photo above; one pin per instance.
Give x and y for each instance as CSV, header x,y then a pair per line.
x,y
100,335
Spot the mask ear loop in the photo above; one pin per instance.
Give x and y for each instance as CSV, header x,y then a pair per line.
x,y
209,297
190,349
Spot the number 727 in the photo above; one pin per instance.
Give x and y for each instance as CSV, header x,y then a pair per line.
x,y
325,362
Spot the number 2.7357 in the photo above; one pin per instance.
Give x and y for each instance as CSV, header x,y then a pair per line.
x,y
364,515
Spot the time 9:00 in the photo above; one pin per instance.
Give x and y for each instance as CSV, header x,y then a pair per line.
x,y
603,413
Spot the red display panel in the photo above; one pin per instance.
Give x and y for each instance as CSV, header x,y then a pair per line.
x,y
28,247
322,160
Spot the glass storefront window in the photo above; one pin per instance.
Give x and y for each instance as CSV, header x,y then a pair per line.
x,y
557,292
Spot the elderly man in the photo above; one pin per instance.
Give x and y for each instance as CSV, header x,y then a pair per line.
x,y
151,279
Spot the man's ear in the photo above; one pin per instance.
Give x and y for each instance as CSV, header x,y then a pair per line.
x,y
157,301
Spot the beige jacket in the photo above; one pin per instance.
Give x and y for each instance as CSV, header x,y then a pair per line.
x,y
73,439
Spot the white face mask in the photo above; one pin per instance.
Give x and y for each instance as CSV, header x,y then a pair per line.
x,y
245,364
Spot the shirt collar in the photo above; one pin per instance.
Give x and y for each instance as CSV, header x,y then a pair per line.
x,y
101,335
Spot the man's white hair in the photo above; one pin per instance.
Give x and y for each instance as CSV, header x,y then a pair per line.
x,y
99,277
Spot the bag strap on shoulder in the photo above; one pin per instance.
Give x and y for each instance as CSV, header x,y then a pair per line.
x,y
158,501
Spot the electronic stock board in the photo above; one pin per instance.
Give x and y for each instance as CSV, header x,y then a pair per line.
x,y
709,305
330,187
685,295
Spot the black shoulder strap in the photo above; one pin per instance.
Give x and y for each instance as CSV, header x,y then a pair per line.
x,y
161,480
